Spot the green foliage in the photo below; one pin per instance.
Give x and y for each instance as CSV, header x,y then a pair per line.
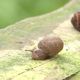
x,y
15,10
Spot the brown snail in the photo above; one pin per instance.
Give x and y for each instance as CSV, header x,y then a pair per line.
x,y
51,45
48,47
76,21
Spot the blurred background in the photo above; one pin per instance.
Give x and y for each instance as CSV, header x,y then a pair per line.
x,y
12,11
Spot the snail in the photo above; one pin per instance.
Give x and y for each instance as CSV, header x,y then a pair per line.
x,y
48,47
76,21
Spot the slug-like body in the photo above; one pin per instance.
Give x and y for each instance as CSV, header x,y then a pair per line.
x,y
39,54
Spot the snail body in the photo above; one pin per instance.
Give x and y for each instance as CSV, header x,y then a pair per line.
x,y
51,45
76,21
39,54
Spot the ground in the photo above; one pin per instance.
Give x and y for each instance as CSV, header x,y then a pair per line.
x,y
16,64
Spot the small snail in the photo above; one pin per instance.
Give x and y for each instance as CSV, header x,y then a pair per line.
x,y
76,21
51,45
48,47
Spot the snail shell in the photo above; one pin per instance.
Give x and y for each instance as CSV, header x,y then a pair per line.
x,y
76,21
51,45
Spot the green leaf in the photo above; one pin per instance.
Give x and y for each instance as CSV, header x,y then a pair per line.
x,y
16,64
